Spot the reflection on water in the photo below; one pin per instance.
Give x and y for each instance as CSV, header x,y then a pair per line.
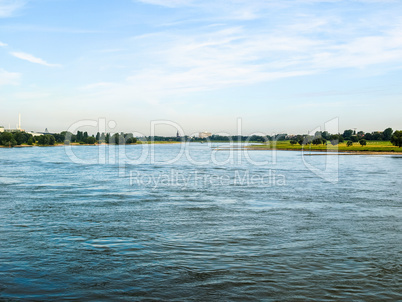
x,y
77,231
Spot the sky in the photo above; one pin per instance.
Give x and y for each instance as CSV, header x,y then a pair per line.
x,y
284,66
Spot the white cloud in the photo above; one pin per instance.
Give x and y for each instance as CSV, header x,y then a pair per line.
x,y
32,59
3,44
186,61
168,3
8,7
9,78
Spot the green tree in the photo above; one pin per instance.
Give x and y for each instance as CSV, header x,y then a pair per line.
x,y
7,139
79,136
354,138
336,139
91,140
51,139
43,140
349,143
387,134
30,141
363,142
60,137
396,139
19,137
46,140
347,134
131,140
317,141
326,135
377,136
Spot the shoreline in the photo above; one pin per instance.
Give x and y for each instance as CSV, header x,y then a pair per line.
x,y
326,151
102,144
308,152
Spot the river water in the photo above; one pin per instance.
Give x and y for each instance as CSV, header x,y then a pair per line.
x,y
201,225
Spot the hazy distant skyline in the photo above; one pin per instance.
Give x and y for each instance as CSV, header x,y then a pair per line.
x,y
282,66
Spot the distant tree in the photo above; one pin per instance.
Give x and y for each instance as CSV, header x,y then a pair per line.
x,y
80,136
377,136
336,139
51,139
116,138
396,139
7,139
293,142
12,142
326,135
363,142
347,134
387,134
68,137
131,140
19,137
354,138
30,141
60,137
42,140
97,136
317,141
46,140
107,138
300,139
91,140
368,137
349,143
360,134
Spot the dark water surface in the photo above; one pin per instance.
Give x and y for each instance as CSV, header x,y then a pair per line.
x,y
212,232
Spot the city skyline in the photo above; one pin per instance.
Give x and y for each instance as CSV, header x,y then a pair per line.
x,y
281,68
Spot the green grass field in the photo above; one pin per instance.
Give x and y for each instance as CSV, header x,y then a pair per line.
x,y
372,146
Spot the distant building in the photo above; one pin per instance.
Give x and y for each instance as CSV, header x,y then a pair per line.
x,y
204,134
18,128
33,133
14,130
1,129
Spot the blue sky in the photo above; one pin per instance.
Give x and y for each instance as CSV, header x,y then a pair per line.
x,y
281,66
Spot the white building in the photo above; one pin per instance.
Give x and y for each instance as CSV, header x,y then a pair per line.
x,y
204,134
17,129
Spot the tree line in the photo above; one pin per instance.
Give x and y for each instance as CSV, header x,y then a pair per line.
x,y
12,139
350,136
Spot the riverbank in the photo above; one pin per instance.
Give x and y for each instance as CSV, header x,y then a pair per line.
x,y
372,147
78,144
